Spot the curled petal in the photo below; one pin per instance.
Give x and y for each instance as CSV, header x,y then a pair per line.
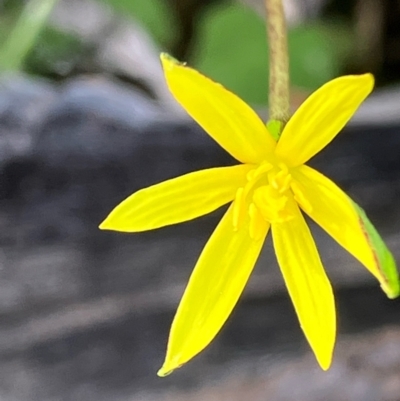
x,y
347,223
321,117
223,115
214,288
177,200
307,283
383,257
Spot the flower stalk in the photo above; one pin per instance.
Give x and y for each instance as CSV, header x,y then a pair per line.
x,y
279,104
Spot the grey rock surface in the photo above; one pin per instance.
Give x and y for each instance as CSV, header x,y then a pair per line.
x,y
367,368
116,46
85,314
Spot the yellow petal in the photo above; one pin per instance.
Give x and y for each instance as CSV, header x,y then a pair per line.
x,y
321,117
335,212
179,199
214,288
223,115
307,283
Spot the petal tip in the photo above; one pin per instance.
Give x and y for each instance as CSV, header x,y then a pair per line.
x,y
168,367
392,292
169,62
324,355
326,365
104,225
369,76
110,224
164,372
369,80
325,360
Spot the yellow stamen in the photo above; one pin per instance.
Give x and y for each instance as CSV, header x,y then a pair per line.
x,y
300,198
257,222
238,208
286,183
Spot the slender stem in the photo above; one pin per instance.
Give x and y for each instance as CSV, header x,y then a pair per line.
x,y
279,104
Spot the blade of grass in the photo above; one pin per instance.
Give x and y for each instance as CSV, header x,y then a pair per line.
x,y
25,33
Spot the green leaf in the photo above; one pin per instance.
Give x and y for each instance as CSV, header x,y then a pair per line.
x,y
387,265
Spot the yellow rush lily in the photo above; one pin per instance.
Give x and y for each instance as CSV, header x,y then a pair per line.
x,y
268,190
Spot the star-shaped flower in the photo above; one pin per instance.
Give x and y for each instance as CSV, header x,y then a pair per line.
x,y
269,190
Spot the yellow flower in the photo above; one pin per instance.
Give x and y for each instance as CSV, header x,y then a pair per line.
x,y
268,191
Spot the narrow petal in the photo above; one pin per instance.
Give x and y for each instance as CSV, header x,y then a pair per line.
x,y
179,199
321,117
214,288
347,223
307,283
223,115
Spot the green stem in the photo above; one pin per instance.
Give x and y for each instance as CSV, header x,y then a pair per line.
x,y
279,103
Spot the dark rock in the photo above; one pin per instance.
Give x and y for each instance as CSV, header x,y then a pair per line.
x,y
23,103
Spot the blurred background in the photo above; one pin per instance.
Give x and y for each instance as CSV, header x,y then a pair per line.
x,y
86,119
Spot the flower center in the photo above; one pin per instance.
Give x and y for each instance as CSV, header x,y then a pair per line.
x,y
264,198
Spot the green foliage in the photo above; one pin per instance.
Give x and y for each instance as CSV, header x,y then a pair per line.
x,y
24,34
153,14
317,53
232,50
57,54
231,46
